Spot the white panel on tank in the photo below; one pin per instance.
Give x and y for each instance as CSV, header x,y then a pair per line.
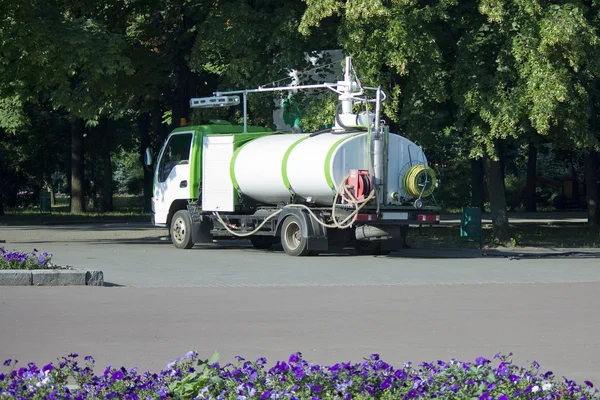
x,y
258,168
306,167
350,154
217,189
402,154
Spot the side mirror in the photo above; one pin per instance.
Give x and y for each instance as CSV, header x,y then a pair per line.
x,y
148,157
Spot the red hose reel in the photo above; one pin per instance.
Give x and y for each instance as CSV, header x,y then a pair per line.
x,y
359,183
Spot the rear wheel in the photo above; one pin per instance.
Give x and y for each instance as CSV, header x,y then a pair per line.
x,y
292,240
181,230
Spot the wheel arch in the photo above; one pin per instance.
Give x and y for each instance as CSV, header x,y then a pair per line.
x,y
176,205
310,226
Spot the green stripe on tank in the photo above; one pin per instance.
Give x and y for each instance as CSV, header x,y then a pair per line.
x,y
196,164
284,162
327,165
234,181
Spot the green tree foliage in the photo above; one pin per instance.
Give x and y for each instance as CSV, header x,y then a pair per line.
x,y
484,71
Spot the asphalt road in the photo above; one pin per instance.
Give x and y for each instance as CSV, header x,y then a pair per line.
x,y
414,305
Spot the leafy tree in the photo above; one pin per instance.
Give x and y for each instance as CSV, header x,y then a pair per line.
x,y
52,52
499,69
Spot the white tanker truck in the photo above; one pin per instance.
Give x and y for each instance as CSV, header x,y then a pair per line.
x,y
354,184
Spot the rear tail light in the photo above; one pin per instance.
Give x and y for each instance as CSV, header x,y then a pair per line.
x,y
366,217
428,218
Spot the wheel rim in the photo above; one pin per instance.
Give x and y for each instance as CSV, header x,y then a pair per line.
x,y
179,230
293,235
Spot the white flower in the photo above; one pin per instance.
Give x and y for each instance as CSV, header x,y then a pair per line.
x,y
535,389
43,382
546,386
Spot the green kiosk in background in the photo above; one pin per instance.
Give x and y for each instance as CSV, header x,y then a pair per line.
x,y
470,225
45,205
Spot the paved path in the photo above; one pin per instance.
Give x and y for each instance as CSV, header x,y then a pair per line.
x,y
415,305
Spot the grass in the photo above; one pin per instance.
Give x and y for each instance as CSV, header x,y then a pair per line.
x,y
127,209
523,235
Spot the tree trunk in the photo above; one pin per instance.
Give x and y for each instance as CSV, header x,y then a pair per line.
x,y
52,196
497,194
144,127
185,91
477,183
94,173
107,189
591,179
530,202
77,195
186,80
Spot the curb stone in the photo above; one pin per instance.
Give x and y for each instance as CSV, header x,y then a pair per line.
x,y
51,277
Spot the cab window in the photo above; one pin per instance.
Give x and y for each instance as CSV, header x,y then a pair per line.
x,y
177,152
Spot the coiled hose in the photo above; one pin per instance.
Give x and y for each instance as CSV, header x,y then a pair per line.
x,y
419,181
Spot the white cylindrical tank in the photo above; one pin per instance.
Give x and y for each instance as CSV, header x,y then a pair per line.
x,y
274,168
256,168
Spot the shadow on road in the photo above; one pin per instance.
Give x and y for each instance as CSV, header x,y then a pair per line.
x,y
87,227
512,254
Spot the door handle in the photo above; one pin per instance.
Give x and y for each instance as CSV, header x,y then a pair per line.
x,y
183,184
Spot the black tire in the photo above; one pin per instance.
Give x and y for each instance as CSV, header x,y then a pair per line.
x,y
292,240
181,230
370,248
262,242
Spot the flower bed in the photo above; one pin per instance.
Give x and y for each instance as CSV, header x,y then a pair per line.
x,y
20,260
190,377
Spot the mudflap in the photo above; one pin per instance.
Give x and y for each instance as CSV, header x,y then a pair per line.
x,y
312,230
201,231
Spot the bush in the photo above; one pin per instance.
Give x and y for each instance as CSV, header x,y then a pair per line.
x,y
19,260
190,377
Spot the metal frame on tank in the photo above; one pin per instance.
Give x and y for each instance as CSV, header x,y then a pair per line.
x,y
350,91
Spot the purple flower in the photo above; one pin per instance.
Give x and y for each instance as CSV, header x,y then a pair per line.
x,y
117,376
588,383
479,361
7,362
190,354
385,384
294,358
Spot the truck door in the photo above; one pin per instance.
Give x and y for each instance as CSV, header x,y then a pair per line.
x,y
172,175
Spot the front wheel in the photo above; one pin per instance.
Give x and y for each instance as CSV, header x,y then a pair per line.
x,y
292,240
181,230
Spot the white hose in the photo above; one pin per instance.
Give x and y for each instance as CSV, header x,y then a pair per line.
x,y
342,190
247,233
344,224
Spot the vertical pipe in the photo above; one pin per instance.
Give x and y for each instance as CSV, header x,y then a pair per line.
x,y
245,114
378,151
346,97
